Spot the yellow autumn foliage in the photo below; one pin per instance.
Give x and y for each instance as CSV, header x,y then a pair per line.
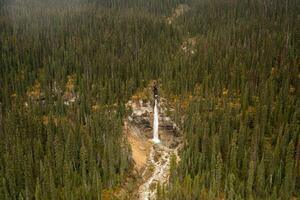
x,y
273,71
45,120
235,105
96,107
107,194
225,91
70,83
251,109
35,90
13,95
292,89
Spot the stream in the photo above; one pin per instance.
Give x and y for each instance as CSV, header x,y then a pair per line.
x,y
158,165
154,138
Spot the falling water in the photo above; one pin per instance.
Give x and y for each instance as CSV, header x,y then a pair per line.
x,y
155,124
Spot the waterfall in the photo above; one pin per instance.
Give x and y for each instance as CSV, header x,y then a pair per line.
x,y
155,124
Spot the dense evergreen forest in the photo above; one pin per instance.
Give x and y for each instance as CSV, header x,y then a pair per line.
x,y
230,68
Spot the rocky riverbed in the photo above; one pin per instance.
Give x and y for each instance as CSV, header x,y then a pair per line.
x,y
152,160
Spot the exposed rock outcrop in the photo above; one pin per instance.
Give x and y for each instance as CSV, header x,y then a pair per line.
x,y
152,160
142,116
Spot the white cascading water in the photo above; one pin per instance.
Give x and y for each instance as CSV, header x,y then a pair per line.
x,y
155,124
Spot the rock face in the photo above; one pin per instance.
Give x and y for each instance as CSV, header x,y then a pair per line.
x,y
157,167
142,116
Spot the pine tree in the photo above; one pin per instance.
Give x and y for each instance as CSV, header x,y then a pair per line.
x,y
260,179
83,160
38,190
289,179
250,180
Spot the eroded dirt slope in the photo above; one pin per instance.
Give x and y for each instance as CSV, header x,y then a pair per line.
x,y
152,161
